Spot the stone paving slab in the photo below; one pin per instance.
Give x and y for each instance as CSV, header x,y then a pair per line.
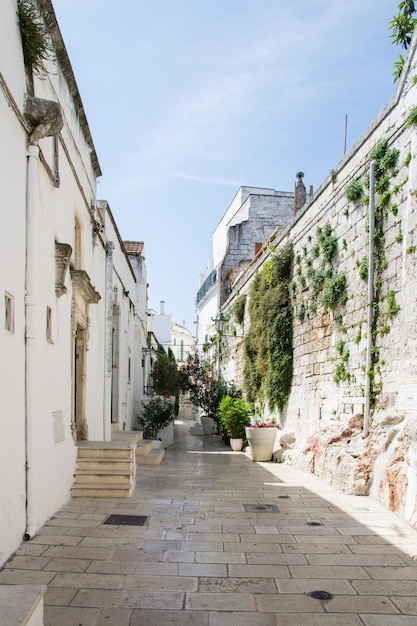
x,y
206,558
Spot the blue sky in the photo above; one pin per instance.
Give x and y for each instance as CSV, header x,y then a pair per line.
x,y
187,100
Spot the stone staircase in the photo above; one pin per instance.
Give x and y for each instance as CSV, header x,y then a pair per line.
x,y
107,469
146,453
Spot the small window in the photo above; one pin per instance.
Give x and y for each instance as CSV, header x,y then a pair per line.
x,y
129,370
49,324
8,313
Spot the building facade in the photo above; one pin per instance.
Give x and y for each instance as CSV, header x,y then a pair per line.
x,y
252,217
73,322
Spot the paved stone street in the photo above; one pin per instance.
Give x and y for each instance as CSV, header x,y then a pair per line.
x,y
227,542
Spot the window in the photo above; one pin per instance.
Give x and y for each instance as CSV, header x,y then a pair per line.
x,y
8,313
129,370
49,324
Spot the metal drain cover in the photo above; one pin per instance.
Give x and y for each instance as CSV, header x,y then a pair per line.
x,y
283,497
314,523
261,508
321,595
126,520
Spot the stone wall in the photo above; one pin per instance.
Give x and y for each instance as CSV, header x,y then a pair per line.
x,y
326,409
265,213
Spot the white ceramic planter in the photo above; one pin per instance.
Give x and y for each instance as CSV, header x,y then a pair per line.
x,y
208,425
236,444
261,442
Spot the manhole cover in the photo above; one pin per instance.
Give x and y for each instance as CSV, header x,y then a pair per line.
x,y
321,595
261,508
314,523
126,520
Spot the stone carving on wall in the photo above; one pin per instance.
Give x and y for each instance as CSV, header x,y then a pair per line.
x,y
63,253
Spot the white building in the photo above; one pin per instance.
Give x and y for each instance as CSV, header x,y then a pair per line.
x,y
253,215
73,321
170,334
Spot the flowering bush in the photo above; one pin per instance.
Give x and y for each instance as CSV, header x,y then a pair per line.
x,y
205,385
157,413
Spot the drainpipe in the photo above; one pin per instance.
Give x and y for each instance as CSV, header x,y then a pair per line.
x,y
45,120
368,365
32,220
109,343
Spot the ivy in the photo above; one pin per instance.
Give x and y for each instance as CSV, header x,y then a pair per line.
x,y
239,308
268,343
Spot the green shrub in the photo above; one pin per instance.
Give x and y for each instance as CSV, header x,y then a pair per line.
x,y
234,415
354,191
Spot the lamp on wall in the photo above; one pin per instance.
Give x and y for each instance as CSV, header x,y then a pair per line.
x,y
220,322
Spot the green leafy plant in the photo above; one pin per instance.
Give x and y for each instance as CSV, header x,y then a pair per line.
x,y
335,291
268,343
354,191
402,27
36,43
167,380
392,307
234,415
412,117
157,413
239,309
363,268
205,386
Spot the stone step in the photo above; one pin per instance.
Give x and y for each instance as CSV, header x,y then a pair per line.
x,y
103,476
127,435
109,463
103,449
154,457
96,490
144,447
21,605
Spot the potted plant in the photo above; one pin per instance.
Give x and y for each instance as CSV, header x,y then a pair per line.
x,y
157,414
233,414
206,388
261,438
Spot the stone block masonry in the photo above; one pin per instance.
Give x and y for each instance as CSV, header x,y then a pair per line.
x,y
331,244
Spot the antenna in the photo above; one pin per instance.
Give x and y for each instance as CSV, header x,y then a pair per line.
x,y
344,143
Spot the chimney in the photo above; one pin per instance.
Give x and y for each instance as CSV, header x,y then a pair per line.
x,y
161,309
300,194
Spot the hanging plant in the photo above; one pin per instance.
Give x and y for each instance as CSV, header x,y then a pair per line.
x,y
36,43
268,344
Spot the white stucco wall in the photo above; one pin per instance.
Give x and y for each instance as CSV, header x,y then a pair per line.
x,y
37,381
12,280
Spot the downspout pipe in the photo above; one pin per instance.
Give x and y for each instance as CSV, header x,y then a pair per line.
x,y
109,343
32,202
371,272
45,120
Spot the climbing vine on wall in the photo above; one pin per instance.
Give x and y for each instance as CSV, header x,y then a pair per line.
x,y
318,282
268,343
385,307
